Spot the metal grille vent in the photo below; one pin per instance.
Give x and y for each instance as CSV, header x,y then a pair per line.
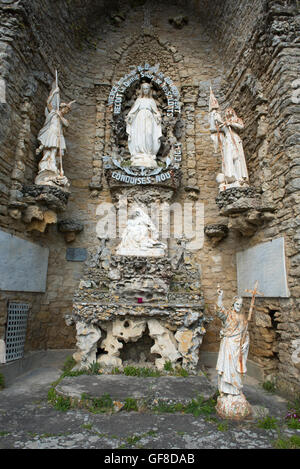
x,y
16,330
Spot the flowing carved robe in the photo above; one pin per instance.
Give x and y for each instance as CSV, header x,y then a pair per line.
x,y
234,165
234,158
52,139
233,353
144,131
51,135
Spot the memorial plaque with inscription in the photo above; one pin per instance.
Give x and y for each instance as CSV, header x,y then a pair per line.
x,y
76,254
23,265
264,263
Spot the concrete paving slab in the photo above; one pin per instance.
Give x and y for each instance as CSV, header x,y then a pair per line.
x,y
29,421
120,387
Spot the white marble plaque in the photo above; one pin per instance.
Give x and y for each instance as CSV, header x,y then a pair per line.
x,y
265,263
23,265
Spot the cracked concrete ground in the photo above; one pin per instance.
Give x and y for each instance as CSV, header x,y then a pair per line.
x,y
29,421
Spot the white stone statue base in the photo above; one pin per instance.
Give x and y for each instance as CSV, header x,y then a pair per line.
x,y
223,185
147,161
233,407
50,178
142,252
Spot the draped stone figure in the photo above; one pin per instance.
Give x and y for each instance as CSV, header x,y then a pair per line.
x,y
232,358
143,126
224,133
140,237
52,142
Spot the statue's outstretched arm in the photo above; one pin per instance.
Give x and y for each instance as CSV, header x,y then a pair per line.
x,y
220,310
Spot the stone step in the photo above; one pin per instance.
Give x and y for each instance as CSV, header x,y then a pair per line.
x,y
121,387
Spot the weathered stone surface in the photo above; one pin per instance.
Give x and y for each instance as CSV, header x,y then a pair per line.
x,y
120,387
48,195
87,338
233,407
76,254
70,228
216,232
23,264
246,51
264,263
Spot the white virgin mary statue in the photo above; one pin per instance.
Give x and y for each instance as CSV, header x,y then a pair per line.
x,y
144,129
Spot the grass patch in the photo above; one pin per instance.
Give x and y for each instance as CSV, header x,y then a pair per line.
x,y
87,426
292,419
288,443
130,404
293,423
181,372
93,369
2,382
74,373
101,404
61,403
68,364
168,366
269,386
200,406
268,423
223,427
163,407
140,372
132,440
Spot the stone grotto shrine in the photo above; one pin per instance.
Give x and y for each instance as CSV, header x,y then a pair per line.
x,y
150,156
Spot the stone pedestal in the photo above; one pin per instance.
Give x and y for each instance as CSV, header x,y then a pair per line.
x,y
127,298
41,204
233,407
245,209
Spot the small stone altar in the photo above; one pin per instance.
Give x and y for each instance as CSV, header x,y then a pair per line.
x,y
135,297
132,291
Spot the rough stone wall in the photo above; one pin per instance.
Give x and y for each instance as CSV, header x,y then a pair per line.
x,y
262,65
246,50
36,38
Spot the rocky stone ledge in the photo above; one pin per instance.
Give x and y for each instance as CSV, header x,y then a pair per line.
x,y
245,209
38,206
216,232
53,197
173,314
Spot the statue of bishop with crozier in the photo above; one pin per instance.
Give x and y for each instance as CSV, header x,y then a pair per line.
x,y
232,358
